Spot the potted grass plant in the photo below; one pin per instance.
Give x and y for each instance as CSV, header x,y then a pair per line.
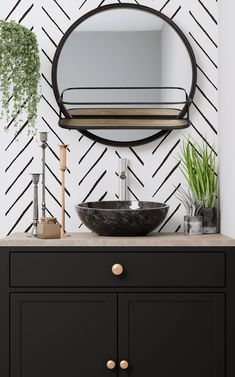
x,y
19,74
199,166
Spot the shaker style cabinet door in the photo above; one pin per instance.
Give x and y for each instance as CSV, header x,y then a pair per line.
x,y
63,335
166,335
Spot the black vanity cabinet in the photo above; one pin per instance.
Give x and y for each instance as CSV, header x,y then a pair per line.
x,y
96,312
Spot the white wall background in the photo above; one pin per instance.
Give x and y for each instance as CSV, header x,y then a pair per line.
x,y
227,127
92,166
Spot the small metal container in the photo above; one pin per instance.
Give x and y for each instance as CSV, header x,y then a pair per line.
x,y
48,228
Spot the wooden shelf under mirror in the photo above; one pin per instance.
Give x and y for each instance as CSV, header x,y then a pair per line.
x,y
141,114
114,118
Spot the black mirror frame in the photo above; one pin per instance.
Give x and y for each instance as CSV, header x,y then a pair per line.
x,y
184,39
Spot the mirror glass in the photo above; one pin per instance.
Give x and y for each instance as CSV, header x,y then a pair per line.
x,y
123,47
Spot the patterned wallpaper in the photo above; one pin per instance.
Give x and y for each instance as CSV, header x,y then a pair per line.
x,y
93,168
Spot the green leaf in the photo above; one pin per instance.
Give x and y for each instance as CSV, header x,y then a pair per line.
x,y
19,73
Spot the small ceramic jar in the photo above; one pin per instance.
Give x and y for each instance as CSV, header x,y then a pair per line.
x,y
48,228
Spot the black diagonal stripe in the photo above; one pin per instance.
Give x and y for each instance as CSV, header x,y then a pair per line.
x,y
28,229
53,131
19,218
176,12
137,178
62,9
201,70
21,151
16,135
101,3
137,156
166,179
53,152
44,52
207,98
56,200
12,10
92,167
164,138
177,229
206,54
86,153
84,2
117,196
94,186
205,118
164,5
135,196
51,214
170,217
50,105
80,226
19,175
80,138
47,81
166,158
103,196
49,37
207,10
173,193
52,20
18,198
204,139
25,13
57,179
116,152
202,28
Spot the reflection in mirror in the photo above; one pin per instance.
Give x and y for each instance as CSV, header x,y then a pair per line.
x,y
124,47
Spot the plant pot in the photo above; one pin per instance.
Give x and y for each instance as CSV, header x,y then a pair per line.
x,y
192,225
209,220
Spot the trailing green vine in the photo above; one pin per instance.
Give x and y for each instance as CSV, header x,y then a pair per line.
x,y
19,73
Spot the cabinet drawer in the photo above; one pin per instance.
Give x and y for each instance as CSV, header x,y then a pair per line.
x,y
145,269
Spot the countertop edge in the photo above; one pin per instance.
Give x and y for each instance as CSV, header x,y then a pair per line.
x,y
92,240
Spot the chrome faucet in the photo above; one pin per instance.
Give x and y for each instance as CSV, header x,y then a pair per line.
x,y
123,179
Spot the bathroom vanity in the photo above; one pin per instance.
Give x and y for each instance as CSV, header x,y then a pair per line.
x,y
161,305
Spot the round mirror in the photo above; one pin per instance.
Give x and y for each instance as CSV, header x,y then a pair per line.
x,y
122,55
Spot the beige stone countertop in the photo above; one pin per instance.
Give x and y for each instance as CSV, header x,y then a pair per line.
x,y
91,239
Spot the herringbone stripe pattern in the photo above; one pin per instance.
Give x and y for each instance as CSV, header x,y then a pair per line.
x,y
93,168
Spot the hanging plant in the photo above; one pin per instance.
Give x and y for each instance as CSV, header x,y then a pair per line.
x,y
19,73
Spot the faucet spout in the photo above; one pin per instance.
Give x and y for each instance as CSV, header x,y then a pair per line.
x,y
123,179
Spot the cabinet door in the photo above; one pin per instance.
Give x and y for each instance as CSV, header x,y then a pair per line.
x,y
172,335
63,335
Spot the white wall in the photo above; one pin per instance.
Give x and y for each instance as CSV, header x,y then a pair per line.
x,y
226,110
93,166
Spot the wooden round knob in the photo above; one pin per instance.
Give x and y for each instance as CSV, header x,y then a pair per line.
x,y
111,364
124,364
117,269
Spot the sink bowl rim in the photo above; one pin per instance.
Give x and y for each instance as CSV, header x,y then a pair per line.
x,y
84,206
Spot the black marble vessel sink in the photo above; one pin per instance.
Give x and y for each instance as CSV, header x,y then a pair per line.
x,y
122,218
